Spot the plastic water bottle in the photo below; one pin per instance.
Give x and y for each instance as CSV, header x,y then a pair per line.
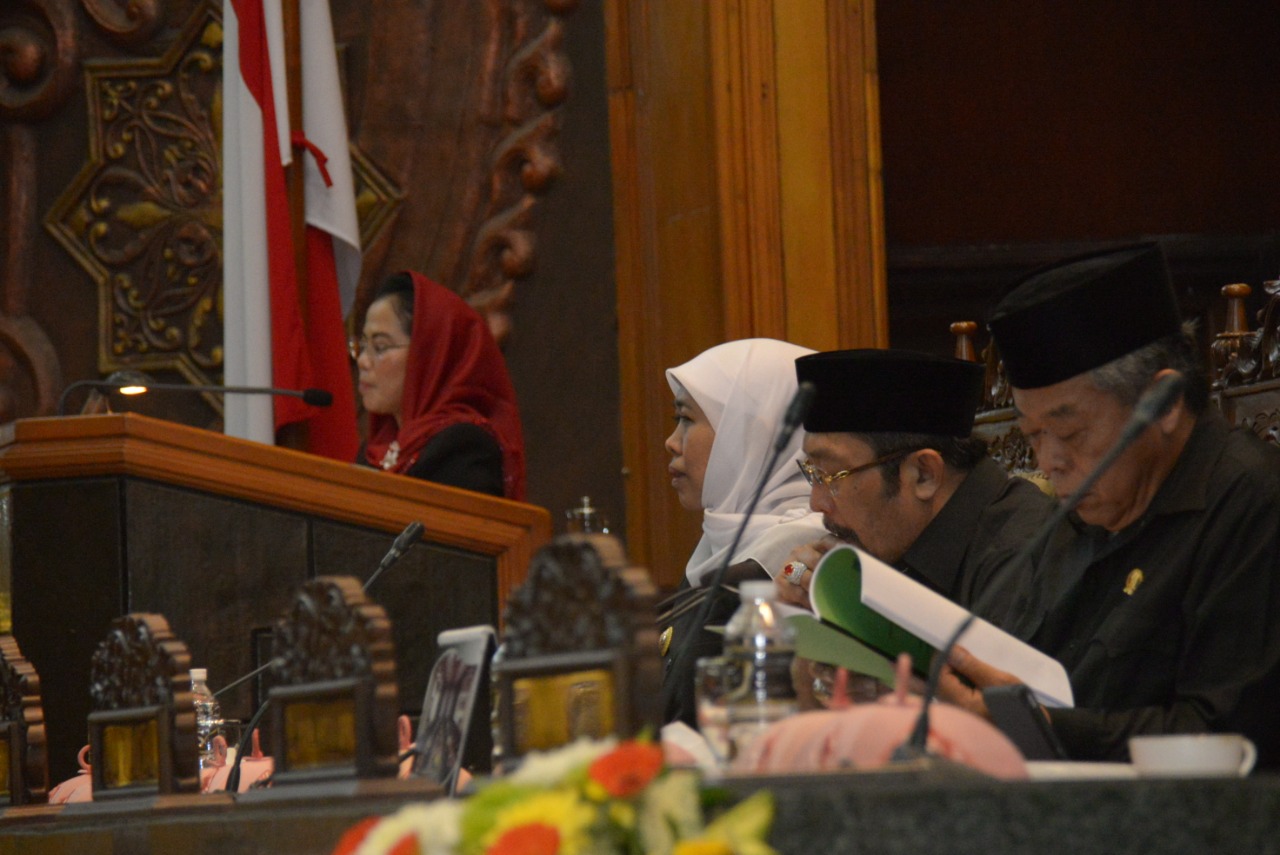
x,y
762,644
208,716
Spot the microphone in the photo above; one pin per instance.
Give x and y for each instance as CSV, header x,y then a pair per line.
x,y
137,383
799,407
412,532
1153,404
791,421
915,746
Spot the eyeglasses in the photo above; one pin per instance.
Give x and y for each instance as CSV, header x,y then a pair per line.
x,y
357,346
816,476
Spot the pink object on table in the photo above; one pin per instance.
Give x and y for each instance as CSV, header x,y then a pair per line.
x,y
864,736
254,767
78,788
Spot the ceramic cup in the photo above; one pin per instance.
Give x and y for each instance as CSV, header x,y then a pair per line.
x,y
1189,755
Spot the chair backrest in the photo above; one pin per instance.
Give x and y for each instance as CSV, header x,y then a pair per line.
x,y
579,653
334,699
142,723
995,420
1246,363
24,767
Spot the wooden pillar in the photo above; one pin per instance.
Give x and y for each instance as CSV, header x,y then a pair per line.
x,y
747,202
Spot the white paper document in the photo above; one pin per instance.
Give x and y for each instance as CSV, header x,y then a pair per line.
x,y
934,618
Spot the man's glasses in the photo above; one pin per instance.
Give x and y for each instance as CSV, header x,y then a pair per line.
x,y
815,476
358,346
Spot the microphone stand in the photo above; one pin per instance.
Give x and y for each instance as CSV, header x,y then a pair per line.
x,y
403,541
795,414
1153,404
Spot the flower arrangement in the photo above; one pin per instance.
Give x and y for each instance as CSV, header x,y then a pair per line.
x,y
589,798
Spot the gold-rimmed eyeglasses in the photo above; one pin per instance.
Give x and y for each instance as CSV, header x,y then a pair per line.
x,y
815,476
377,348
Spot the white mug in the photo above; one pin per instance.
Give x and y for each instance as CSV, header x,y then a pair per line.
x,y
1189,755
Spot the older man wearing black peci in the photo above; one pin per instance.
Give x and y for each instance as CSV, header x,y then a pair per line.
x,y
1161,593
894,469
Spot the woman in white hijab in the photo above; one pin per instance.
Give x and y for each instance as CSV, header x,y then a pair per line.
x,y
730,402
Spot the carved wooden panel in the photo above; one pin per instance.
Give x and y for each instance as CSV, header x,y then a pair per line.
x,y
1246,363
466,123
579,654
142,727
335,684
21,710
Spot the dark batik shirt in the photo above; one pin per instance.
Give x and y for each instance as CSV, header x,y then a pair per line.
x,y
967,553
680,655
1173,624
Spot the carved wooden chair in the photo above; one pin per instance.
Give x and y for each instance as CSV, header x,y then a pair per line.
x,y
579,654
995,421
1246,364
142,724
333,699
24,767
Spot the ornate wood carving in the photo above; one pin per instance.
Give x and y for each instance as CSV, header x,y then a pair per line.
x,y
333,647
331,632
578,631
1242,356
580,595
142,724
143,216
39,48
140,663
20,704
129,23
525,159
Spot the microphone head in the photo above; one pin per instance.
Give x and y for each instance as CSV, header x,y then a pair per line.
x,y
317,397
799,407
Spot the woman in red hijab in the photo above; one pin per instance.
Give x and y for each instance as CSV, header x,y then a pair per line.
x,y
440,402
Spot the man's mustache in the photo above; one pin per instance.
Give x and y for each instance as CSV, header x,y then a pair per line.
x,y
846,534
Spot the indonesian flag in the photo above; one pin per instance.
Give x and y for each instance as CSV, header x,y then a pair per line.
x,y
266,341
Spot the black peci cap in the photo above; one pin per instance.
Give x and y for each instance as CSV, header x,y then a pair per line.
x,y
1080,314
891,391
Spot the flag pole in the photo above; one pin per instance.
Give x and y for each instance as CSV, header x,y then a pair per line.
x,y
295,435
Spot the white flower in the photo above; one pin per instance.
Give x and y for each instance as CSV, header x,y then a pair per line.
x,y
437,827
548,768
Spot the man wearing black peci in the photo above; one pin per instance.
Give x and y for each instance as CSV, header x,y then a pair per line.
x,y
1161,595
893,468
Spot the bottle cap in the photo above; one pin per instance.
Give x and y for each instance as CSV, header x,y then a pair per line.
x,y
199,675
756,589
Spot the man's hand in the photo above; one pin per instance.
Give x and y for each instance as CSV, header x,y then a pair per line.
x,y
965,676
793,586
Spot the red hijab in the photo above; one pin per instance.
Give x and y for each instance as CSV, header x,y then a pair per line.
x,y
454,374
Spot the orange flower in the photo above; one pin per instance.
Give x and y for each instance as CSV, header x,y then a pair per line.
x,y
627,769
532,839
355,835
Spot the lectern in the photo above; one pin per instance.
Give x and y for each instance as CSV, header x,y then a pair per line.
x,y
114,514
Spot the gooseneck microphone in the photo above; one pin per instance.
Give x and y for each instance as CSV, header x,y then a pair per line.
x,y
791,421
407,538
136,383
1152,405
411,534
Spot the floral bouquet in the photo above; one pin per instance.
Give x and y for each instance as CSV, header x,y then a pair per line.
x,y
589,798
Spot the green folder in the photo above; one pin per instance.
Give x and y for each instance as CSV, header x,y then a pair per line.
x,y
848,633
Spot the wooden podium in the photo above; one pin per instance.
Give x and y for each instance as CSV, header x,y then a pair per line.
x,y
123,513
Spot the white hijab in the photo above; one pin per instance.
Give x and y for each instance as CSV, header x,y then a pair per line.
x,y
744,387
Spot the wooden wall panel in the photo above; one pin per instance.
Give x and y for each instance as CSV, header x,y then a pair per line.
x,y
665,227
747,202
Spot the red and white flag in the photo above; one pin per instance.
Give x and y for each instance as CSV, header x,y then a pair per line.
x,y
266,342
